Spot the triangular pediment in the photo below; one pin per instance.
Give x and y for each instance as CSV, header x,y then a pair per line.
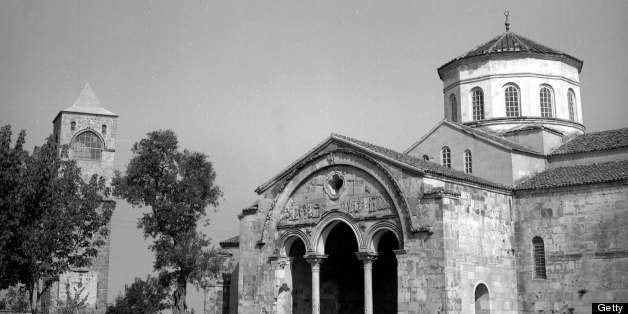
x,y
482,135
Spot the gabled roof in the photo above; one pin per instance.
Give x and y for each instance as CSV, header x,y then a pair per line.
x,y
486,136
612,171
511,43
88,103
394,157
533,127
593,142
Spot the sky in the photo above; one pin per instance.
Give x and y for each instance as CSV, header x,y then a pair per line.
x,y
256,84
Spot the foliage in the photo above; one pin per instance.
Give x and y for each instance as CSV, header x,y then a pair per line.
x,y
73,302
16,299
52,220
143,296
178,187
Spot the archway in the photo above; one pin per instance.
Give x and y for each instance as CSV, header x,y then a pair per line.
x,y
385,273
482,300
301,274
342,279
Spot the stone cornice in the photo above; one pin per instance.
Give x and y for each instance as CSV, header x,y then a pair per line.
x,y
509,75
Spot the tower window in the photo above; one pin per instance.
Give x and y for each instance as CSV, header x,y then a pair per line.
x,y
446,157
468,163
545,99
513,102
477,97
571,103
454,107
87,145
72,126
104,129
539,258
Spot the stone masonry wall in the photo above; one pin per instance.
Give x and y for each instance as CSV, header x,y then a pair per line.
x,y
478,240
586,247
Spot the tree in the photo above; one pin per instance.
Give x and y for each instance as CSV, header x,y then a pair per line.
x,y
143,296
16,299
178,187
52,220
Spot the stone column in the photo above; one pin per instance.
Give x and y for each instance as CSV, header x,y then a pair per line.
x,y
403,300
315,260
367,258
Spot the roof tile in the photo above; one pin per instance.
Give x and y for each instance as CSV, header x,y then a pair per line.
x,y
509,42
231,242
612,171
593,142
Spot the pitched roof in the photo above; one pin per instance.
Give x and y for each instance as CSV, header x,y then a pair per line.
x,y
418,163
490,137
612,171
87,102
533,127
231,242
509,43
401,159
593,142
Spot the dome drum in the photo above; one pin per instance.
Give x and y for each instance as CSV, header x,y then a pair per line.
x,y
511,82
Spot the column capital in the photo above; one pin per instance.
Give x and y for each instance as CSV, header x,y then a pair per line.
x,y
366,257
314,258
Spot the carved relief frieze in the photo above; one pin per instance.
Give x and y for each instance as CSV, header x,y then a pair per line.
x,y
336,189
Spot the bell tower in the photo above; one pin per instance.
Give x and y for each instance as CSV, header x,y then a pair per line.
x,y
90,132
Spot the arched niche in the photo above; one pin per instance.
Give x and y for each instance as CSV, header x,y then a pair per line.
x,y
329,162
482,299
289,237
380,228
328,223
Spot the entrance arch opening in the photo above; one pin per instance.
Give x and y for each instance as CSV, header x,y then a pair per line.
x,y
301,274
482,300
385,273
342,279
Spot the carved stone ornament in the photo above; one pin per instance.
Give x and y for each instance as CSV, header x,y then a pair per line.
x,y
334,184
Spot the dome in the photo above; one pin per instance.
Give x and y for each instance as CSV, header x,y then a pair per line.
x,y
511,82
509,45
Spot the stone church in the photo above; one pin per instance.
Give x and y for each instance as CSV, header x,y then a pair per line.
x,y
507,205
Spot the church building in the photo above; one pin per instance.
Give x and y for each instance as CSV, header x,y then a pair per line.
x,y
507,205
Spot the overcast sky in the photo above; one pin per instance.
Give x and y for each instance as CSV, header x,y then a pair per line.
x,y
255,84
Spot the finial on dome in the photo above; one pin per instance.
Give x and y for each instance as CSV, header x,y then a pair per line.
x,y
507,22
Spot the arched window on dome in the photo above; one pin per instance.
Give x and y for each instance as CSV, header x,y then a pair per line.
x,y
453,104
539,258
571,103
477,98
445,154
87,145
512,100
546,99
468,162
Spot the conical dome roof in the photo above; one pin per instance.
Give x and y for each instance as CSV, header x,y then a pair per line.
x,y
87,102
511,44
